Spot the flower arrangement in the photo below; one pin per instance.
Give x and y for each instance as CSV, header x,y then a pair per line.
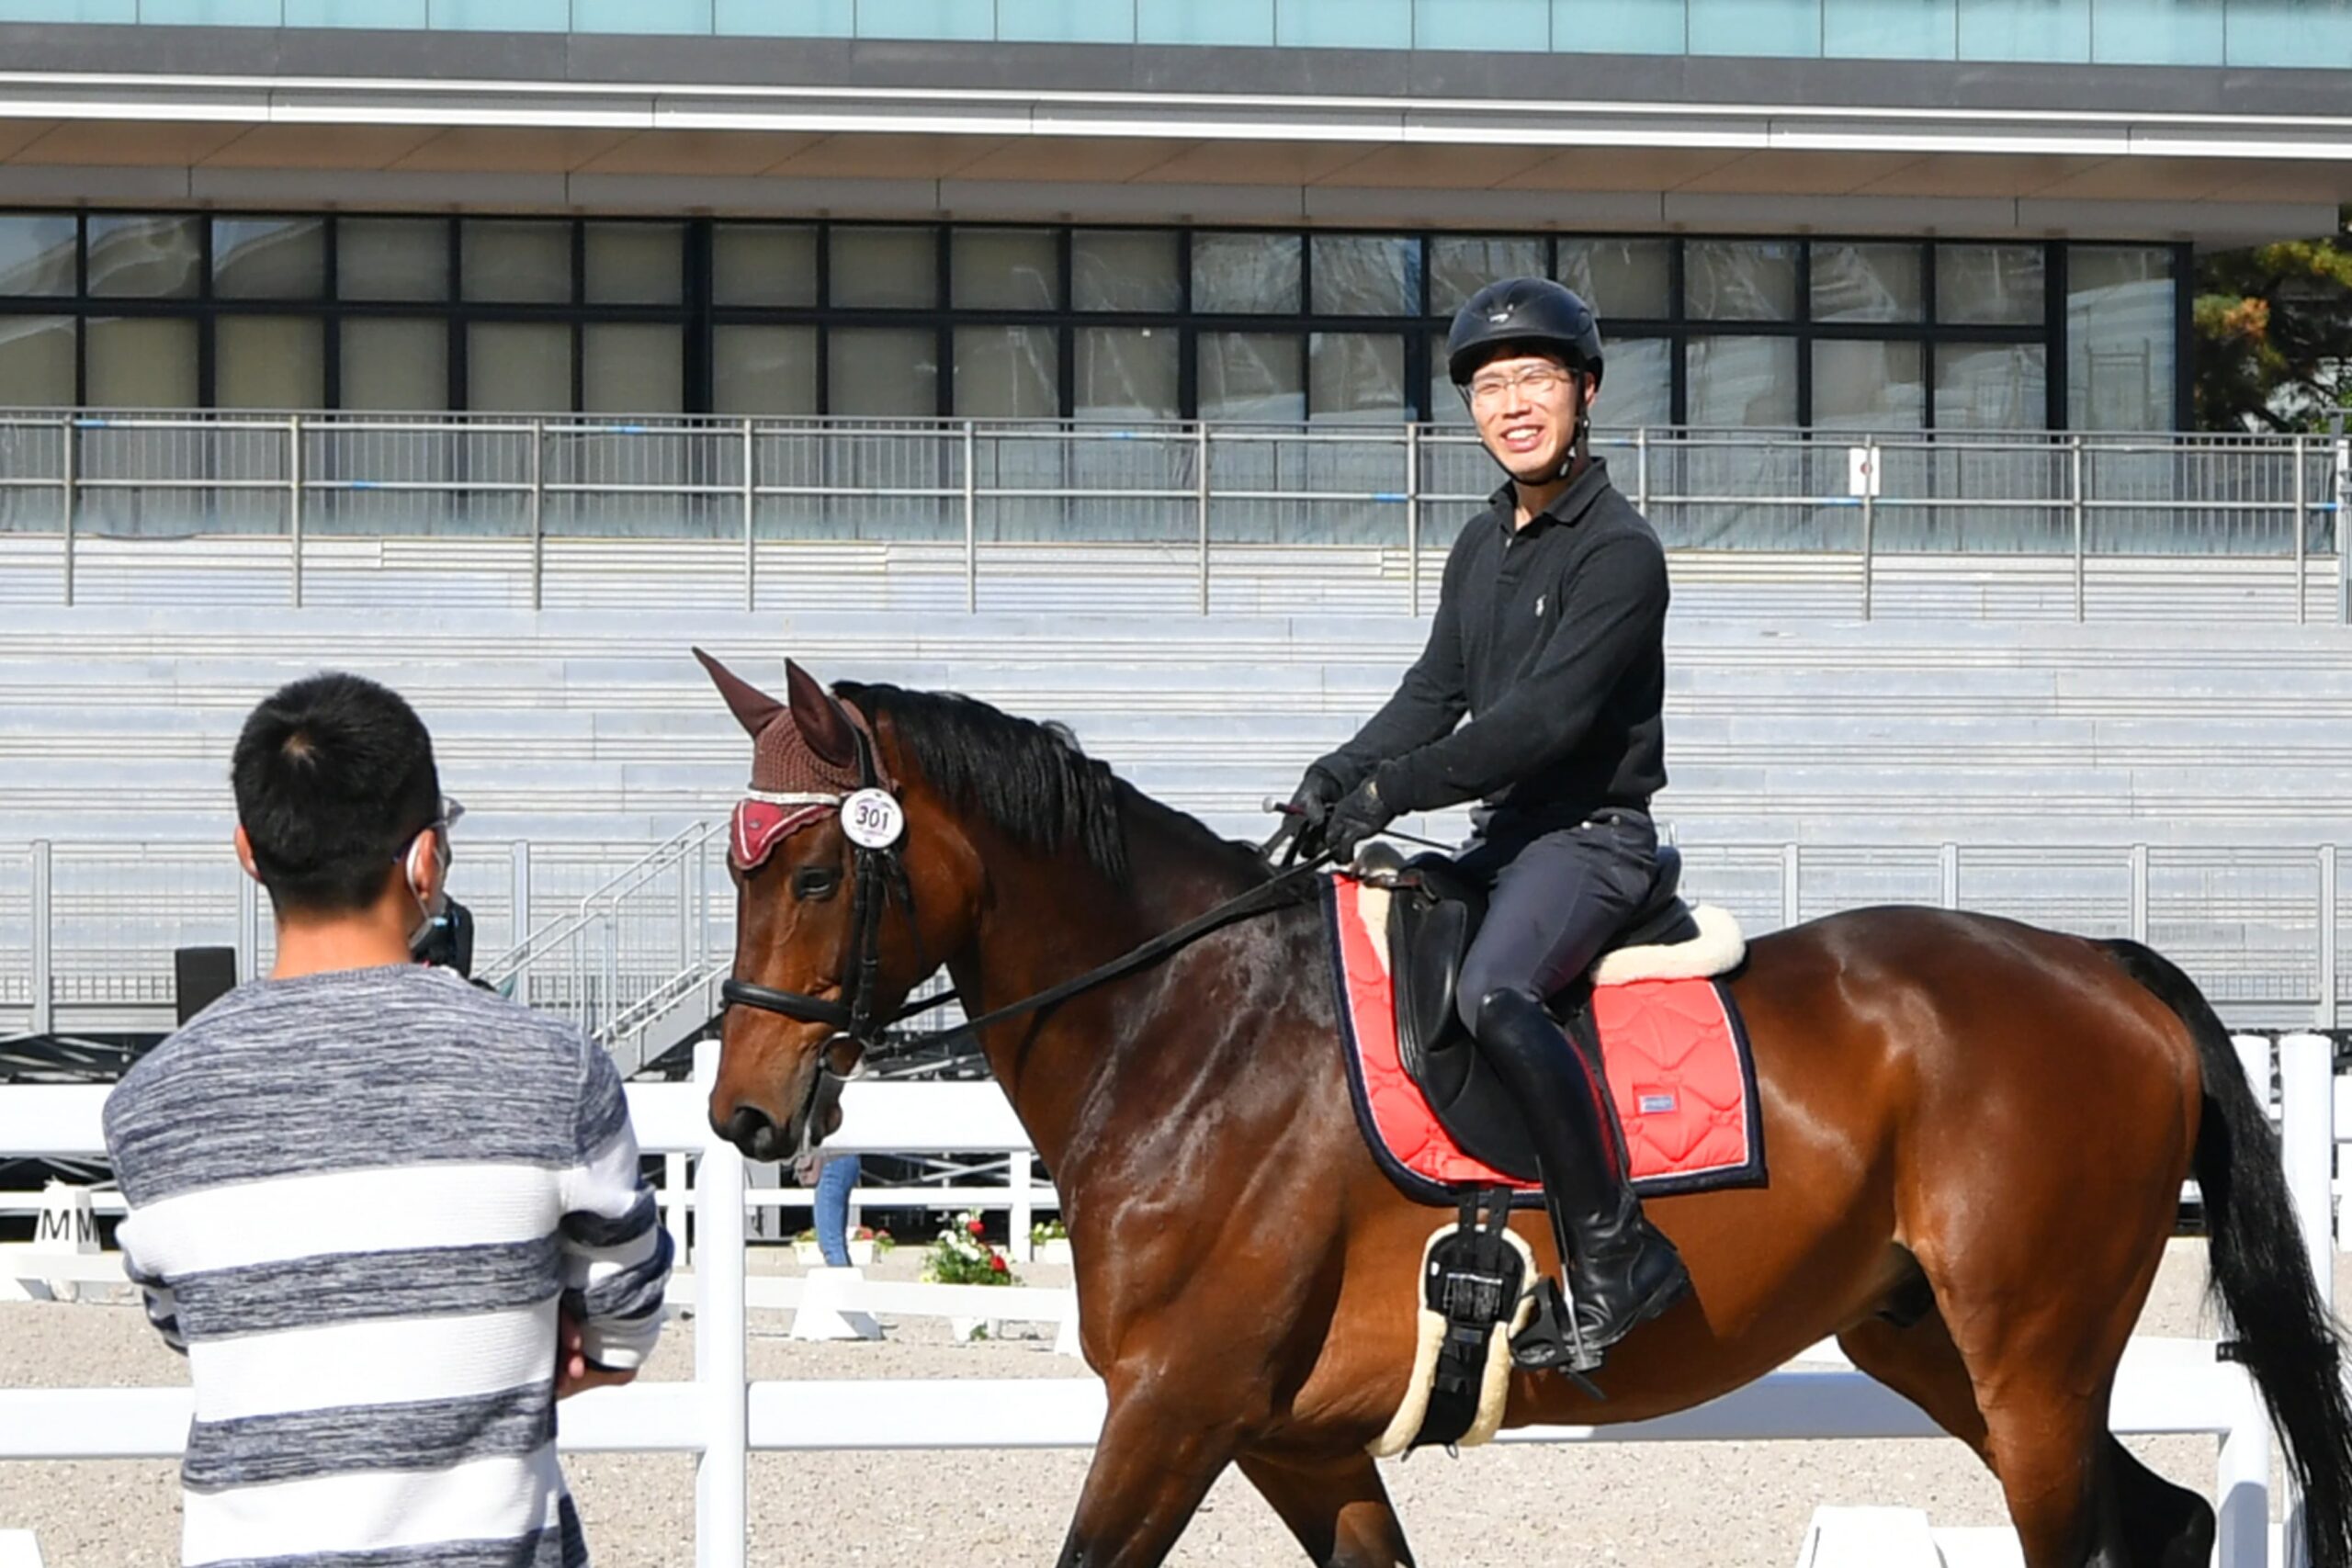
x,y
1045,1231
961,1256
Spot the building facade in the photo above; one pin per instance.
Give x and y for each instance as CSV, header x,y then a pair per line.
x,y
1890,215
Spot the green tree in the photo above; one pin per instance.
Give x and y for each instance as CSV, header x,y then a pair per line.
x,y
2274,335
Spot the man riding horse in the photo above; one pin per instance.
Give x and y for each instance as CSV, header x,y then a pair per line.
x,y
1549,632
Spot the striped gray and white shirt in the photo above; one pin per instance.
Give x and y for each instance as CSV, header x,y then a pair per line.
x,y
357,1201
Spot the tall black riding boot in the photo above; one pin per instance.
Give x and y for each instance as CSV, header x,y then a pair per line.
x,y
1624,1271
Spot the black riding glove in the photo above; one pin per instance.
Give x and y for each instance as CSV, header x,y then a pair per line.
x,y
1359,817
1303,818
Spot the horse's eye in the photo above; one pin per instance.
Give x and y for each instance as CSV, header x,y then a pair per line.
x,y
815,881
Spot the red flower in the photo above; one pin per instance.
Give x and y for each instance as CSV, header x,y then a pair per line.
x,y
975,1227
995,1263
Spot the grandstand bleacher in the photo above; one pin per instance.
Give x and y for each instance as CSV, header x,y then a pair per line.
x,y
2040,753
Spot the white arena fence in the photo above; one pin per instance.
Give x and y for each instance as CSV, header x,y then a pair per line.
x,y
2170,1387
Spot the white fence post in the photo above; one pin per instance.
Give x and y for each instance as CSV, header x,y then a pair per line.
x,y
1020,1174
2329,956
2307,1133
1791,906
721,1481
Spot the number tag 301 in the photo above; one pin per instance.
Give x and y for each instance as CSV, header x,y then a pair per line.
x,y
873,820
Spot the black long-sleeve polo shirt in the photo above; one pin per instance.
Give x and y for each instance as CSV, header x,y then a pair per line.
x,y
1552,638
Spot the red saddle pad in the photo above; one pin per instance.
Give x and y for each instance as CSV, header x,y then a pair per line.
x,y
1679,1074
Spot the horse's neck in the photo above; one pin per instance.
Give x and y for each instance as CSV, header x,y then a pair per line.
x,y
1047,920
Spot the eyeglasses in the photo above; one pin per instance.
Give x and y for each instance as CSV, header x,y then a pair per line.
x,y
1540,382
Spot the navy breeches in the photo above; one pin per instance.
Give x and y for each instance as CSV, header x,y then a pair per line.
x,y
1553,902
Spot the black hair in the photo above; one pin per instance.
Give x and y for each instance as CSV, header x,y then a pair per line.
x,y
334,778
1030,779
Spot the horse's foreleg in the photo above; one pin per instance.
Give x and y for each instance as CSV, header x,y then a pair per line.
x,y
1338,1509
1160,1453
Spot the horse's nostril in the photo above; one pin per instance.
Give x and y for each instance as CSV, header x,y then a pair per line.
x,y
748,1123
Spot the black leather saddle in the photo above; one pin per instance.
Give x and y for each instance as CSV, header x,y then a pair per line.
x,y
1434,914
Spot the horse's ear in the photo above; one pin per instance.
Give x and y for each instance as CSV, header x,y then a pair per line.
x,y
819,719
752,708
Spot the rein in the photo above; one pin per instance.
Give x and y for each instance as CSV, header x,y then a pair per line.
x,y
879,875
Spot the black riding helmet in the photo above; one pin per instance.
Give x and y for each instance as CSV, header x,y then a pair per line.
x,y
1523,311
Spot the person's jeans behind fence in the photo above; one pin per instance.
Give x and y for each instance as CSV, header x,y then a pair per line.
x,y
835,1184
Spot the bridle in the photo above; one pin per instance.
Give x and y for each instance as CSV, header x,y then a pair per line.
x,y
877,875
874,823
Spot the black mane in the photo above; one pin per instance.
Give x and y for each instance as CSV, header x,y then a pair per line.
x,y
1032,780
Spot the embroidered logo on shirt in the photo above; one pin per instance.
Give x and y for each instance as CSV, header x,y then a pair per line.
x,y
1539,605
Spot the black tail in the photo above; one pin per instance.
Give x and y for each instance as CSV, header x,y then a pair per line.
x,y
2284,1336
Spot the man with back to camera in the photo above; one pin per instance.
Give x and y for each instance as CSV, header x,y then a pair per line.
x,y
390,1218
1550,632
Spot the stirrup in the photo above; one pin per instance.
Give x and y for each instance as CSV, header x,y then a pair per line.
x,y
1552,1342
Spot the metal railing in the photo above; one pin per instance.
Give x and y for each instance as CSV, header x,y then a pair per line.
x,y
86,932
520,500
648,941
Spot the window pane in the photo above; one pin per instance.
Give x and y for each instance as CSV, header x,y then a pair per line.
x,y
1251,376
890,267
394,364
1446,406
270,258
2168,32
763,263
1460,266
1743,381
1869,386
269,362
2120,338
1367,274
770,370
1993,386
632,367
635,264
2025,30
391,258
1890,30
509,259
883,372
1989,285
1356,378
1636,383
1125,269
1126,373
1003,269
518,367
36,362
1007,372
141,363
37,255
1748,28
1740,281
1619,277
1867,282
1252,273
144,258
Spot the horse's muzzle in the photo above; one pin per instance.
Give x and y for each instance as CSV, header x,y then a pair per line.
x,y
755,1133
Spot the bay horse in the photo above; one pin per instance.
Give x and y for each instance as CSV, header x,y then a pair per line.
x,y
1985,1121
